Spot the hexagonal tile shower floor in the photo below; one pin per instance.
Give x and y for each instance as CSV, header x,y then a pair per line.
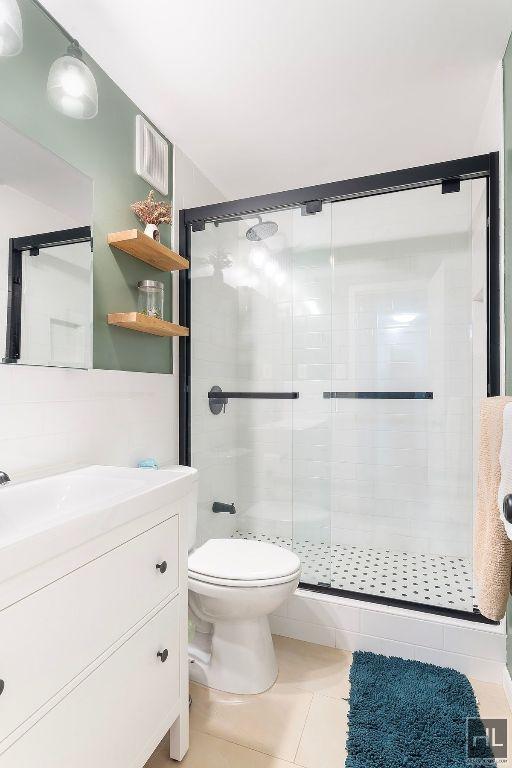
x,y
436,580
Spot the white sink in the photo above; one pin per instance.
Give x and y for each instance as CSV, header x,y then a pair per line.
x,y
42,518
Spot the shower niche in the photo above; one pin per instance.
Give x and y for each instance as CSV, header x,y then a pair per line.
x,y
343,336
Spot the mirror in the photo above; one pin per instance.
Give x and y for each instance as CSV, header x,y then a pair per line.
x,y
45,256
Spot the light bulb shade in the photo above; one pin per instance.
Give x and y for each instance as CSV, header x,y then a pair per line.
x,y
72,89
11,28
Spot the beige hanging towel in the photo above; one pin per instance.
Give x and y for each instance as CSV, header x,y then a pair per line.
x,y
492,549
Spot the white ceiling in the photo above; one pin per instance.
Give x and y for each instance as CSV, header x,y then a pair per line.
x,y
266,95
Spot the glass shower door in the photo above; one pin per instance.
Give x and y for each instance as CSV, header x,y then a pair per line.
x,y
373,310
242,343
312,373
408,301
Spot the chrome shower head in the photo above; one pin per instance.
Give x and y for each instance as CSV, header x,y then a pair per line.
x,y
261,230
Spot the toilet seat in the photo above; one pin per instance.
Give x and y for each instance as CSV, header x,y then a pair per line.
x,y
242,563
242,584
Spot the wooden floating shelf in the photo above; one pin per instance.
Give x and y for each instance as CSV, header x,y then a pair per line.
x,y
137,244
136,321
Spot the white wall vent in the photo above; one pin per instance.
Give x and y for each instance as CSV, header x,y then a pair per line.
x,y
151,155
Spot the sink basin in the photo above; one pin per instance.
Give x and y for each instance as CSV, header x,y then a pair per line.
x,y
42,518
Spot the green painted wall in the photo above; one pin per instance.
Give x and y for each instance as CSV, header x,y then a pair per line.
x,y
507,96
104,149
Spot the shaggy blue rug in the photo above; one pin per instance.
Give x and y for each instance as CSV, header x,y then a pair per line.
x,y
406,713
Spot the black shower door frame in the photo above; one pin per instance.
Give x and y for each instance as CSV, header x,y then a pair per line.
x,y
447,174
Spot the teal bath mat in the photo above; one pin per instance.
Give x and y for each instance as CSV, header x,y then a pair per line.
x,y
406,713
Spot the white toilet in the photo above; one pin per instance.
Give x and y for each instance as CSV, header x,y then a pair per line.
x,y
234,585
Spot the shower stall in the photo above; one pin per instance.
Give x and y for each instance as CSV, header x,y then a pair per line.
x,y
341,339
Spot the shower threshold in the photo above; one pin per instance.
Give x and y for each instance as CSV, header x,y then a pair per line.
x,y
428,582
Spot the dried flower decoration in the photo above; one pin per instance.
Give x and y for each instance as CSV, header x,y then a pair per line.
x,y
151,211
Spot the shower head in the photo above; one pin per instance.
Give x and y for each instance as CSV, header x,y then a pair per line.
x,y
261,230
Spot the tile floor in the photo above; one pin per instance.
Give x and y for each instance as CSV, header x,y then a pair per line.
x,y
300,721
440,580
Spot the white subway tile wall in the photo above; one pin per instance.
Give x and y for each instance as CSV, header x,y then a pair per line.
x,y
58,418
214,320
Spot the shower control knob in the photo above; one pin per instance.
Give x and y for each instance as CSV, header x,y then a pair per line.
x,y
162,655
507,508
162,567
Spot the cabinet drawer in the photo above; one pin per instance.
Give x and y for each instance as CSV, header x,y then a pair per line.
x,y
115,713
52,635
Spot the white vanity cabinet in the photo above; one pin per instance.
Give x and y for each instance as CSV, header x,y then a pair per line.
x,y
93,653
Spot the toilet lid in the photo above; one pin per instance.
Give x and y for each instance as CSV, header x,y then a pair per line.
x,y
242,560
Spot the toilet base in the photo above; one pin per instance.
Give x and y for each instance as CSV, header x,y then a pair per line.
x,y
241,660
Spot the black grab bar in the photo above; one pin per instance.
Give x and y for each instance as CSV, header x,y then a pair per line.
x,y
253,395
219,399
379,395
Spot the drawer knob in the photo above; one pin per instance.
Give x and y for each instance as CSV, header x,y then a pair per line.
x,y
2,686
162,655
162,567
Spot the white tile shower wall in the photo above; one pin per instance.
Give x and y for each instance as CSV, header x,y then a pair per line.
x,y
214,317
402,320
313,371
264,345
475,649
359,307
54,418
479,313
242,341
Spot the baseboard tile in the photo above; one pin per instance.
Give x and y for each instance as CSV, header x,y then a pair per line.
x,y
507,686
474,650
300,630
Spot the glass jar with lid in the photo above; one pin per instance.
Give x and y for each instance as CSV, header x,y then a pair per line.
x,y
151,298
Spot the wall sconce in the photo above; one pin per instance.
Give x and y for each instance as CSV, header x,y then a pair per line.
x,y
71,86
11,28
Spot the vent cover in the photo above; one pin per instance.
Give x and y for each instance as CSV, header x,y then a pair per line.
x,y
151,155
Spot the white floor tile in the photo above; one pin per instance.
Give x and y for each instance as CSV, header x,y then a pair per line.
x,y
435,580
